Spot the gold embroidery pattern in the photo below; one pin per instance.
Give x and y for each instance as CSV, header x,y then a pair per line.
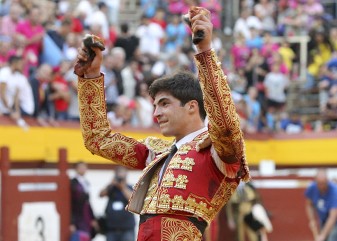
x,y
177,202
194,205
181,182
224,125
178,163
222,196
164,201
205,141
191,205
118,146
188,164
95,126
175,163
179,230
168,179
184,149
199,206
157,145
150,198
202,208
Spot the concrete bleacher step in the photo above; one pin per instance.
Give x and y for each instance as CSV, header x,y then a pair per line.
x,y
310,101
130,17
131,13
309,110
304,102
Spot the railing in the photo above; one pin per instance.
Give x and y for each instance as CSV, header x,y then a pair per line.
x,y
303,42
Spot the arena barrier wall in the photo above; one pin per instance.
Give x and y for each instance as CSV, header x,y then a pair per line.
x,y
33,207
40,143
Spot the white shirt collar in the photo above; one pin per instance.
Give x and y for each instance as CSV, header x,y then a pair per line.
x,y
190,137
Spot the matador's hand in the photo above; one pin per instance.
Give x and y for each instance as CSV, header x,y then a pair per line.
x,y
198,19
89,57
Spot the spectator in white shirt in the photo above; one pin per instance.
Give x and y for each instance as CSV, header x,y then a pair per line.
x,y
150,35
85,8
245,22
275,84
99,17
16,95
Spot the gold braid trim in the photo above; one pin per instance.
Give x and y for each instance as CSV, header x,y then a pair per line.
x,y
224,125
222,196
95,127
179,230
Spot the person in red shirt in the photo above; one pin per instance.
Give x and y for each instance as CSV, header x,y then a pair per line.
x,y
60,92
159,18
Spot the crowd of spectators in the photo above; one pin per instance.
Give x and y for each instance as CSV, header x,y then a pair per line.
x,y
39,41
265,64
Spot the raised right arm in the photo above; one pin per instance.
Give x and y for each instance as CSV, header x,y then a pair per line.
x,y
97,135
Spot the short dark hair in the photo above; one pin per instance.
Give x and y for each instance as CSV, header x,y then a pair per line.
x,y
124,27
182,85
14,59
101,5
66,22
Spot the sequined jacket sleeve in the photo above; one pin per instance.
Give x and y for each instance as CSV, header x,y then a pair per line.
x,y
223,122
96,131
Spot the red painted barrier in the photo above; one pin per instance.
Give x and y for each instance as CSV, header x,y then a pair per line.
x,y
284,199
20,193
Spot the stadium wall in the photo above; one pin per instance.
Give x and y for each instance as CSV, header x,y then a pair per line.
x,y
42,144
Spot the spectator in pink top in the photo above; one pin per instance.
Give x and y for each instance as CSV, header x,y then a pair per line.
x,y
9,22
276,58
30,34
313,8
214,7
177,6
240,52
269,46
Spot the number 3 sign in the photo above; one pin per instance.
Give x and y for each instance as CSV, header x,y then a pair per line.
x,y
39,221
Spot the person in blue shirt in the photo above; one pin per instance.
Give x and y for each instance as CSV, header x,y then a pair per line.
x,y
256,41
291,122
321,198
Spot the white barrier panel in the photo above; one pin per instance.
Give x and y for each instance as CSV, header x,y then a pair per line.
x,y
39,221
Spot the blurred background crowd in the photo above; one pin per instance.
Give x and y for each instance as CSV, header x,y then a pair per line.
x,y
279,56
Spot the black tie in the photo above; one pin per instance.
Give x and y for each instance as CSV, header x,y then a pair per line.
x,y
167,161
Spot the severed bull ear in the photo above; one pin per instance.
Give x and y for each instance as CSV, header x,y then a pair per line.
x,y
89,41
186,19
199,35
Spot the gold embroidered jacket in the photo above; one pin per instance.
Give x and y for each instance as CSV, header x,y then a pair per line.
x,y
198,181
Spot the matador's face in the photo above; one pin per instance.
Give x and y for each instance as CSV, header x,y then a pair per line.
x,y
173,118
